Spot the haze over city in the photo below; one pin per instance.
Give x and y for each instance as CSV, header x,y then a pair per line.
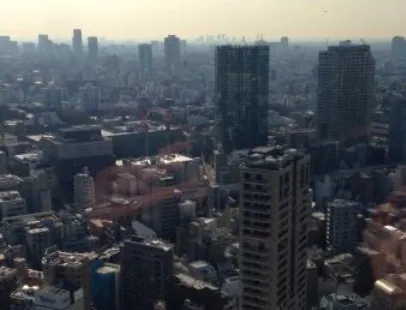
x,y
152,19
202,155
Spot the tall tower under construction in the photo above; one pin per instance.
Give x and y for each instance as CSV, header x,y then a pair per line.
x,y
274,205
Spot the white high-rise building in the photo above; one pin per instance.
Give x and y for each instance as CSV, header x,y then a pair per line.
x,y
274,208
84,195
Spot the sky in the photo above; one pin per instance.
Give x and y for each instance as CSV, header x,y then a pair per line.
x,y
153,19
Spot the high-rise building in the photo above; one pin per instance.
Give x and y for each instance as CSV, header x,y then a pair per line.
x,y
274,208
173,60
83,186
397,129
54,96
43,44
398,47
345,92
342,226
77,43
89,97
93,48
145,59
3,162
146,273
242,90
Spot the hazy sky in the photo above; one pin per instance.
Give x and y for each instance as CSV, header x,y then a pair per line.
x,y
147,19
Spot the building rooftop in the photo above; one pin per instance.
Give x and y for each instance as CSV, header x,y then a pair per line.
x,y
152,242
199,264
9,195
109,268
54,290
165,160
32,219
342,203
32,158
9,181
271,158
190,281
40,230
67,259
25,292
6,272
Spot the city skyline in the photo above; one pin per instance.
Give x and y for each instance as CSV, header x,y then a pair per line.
x,y
156,19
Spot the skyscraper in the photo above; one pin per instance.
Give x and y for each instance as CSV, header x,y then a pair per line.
x,y
173,60
242,90
397,129
274,205
145,59
398,47
89,97
93,47
345,92
146,273
83,186
77,43
43,44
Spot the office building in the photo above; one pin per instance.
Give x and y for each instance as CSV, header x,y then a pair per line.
x,y
93,48
3,162
345,92
89,98
106,291
8,282
397,129
72,149
173,60
145,60
146,273
83,186
44,44
398,47
77,43
242,90
28,48
275,204
54,96
342,226
45,297
70,268
12,204
38,239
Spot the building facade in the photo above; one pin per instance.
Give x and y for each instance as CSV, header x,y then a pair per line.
x,y
345,95
242,90
275,204
146,273
342,226
145,60
173,61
